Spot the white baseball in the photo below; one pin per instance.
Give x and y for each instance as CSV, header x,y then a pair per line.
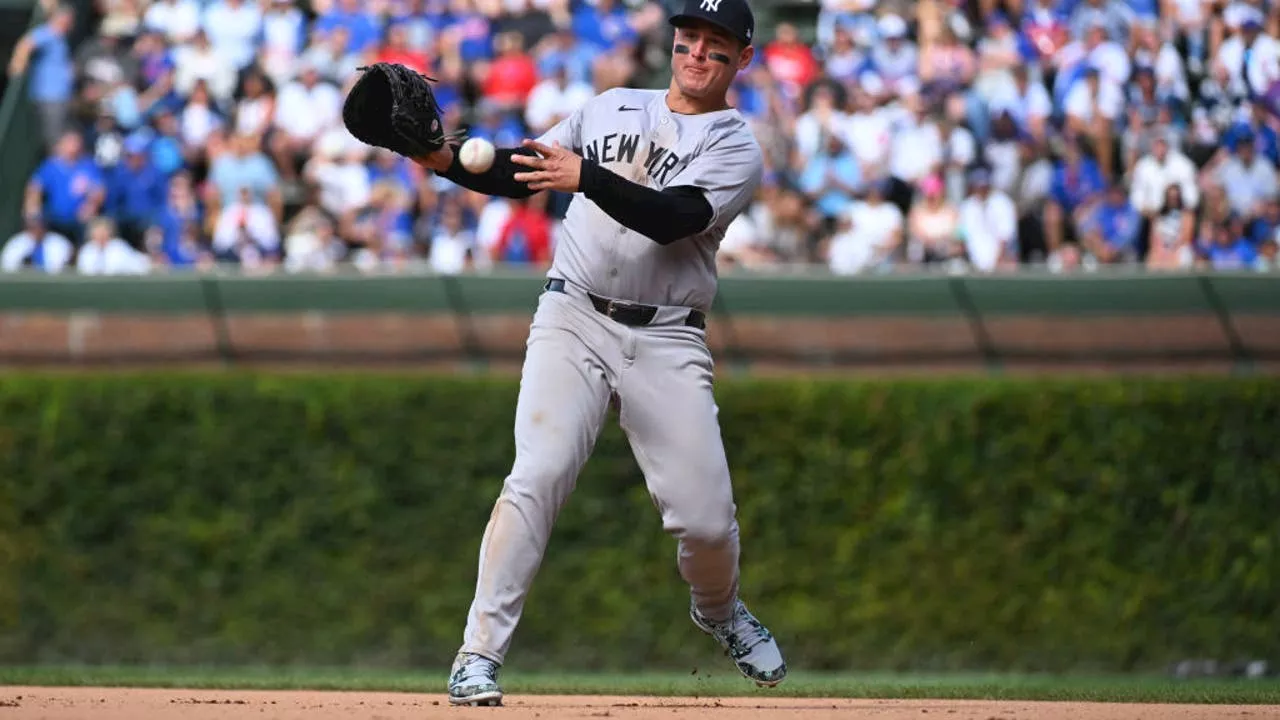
x,y
476,155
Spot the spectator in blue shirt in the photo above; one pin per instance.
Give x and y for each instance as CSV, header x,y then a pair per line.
x,y
52,83
472,31
421,21
563,49
1264,227
1230,250
1113,230
386,221
136,191
1077,183
1255,130
164,146
244,166
155,63
831,179
364,30
178,224
503,129
67,188
604,25
389,166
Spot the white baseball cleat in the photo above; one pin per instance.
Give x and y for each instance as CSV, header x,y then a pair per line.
x,y
474,681
748,642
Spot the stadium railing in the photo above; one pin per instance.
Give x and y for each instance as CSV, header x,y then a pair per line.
x,y
1224,320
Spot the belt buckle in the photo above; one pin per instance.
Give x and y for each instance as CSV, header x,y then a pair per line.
x,y
612,308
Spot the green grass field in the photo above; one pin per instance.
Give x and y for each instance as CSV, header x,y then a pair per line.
x,y
975,686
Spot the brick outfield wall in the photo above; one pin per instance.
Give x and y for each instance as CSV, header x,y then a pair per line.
x,y
785,344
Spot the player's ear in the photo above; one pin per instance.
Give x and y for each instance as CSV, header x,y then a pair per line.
x,y
744,57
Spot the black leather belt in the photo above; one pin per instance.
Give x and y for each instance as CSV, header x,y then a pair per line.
x,y
628,313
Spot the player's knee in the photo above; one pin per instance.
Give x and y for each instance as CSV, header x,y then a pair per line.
x,y
709,529
544,481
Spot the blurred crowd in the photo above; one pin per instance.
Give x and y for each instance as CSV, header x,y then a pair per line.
x,y
975,136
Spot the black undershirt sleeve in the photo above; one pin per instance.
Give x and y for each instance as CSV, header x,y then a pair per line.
x,y
497,180
663,216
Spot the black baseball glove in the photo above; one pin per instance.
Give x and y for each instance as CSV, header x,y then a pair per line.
x,y
392,106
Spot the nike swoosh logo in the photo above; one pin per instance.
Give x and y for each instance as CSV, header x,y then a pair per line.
x,y
624,108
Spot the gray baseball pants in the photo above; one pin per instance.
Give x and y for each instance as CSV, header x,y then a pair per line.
x,y
662,374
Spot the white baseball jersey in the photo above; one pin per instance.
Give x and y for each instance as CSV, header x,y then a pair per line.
x,y
632,133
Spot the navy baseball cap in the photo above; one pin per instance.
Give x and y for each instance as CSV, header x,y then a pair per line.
x,y
734,16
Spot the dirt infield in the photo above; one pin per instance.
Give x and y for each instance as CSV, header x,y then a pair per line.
x,y
44,703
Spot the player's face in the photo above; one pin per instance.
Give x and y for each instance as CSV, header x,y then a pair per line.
x,y
705,60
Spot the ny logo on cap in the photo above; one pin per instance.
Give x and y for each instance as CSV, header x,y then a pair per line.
x,y
710,5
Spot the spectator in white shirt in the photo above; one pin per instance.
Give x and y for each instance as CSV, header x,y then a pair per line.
x,y
873,236
328,52
37,248
744,245
107,254
200,60
177,20
1162,57
895,58
489,224
283,27
199,119
843,58
453,247
341,176
246,232
754,241
1002,152
918,145
1263,52
1173,228
1093,105
1156,172
553,99
313,246
989,225
1098,49
960,147
1027,102
305,109
1248,178
233,27
256,109
823,119
868,133
999,56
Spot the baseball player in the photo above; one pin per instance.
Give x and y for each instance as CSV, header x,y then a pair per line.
x,y
657,176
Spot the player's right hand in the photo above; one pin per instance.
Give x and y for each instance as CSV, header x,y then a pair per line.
x,y
556,168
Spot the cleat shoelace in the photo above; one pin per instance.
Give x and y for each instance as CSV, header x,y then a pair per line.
x,y
476,671
743,632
